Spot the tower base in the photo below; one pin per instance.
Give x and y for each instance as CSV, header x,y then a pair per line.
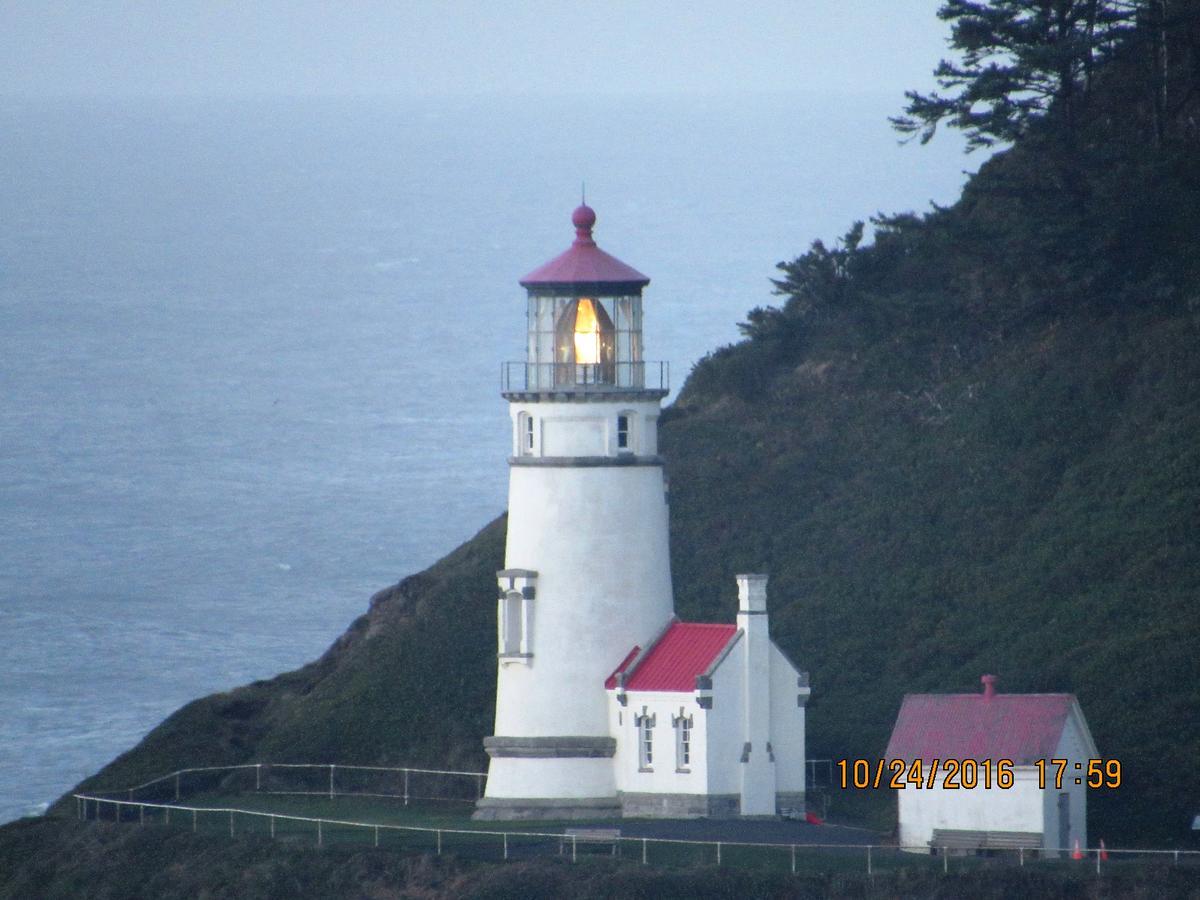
x,y
493,809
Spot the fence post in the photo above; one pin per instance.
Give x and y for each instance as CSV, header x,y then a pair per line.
x,y
439,835
193,821
573,845
1021,854
868,859
142,821
945,860
231,823
1097,862
793,859
718,853
331,781
644,851
176,787
166,815
506,845
376,835
406,787
1176,857
272,826
258,776
320,837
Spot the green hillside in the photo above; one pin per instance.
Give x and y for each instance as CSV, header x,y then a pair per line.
x,y
967,446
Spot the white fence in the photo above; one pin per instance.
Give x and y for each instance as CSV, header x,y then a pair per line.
x,y
312,779
412,784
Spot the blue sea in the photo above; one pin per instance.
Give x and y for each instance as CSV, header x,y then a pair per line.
x,y
250,352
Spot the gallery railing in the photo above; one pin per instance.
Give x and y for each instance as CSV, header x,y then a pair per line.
x,y
523,377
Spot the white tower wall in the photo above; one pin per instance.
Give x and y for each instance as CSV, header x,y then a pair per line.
x,y
587,525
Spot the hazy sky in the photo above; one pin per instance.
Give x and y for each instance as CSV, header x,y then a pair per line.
x,y
49,47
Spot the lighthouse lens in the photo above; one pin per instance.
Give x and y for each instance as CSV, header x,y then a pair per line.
x,y
587,333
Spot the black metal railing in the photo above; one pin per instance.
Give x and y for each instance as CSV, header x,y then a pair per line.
x,y
523,377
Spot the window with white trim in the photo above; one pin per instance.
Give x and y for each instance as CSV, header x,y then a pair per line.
x,y
513,625
683,741
645,733
623,436
525,433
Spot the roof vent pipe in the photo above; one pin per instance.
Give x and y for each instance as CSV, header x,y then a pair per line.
x,y
989,686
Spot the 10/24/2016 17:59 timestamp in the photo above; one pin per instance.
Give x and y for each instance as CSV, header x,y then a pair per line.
x,y
954,774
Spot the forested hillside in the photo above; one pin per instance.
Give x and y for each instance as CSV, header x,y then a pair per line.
x,y
965,445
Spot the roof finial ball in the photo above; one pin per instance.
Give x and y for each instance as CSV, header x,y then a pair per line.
x,y
583,219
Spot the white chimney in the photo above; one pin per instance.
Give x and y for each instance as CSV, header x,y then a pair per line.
x,y
758,762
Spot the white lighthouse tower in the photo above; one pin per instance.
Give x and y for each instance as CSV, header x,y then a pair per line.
x,y
587,571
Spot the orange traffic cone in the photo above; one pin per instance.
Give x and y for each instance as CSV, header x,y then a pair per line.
x,y
1103,850
1076,853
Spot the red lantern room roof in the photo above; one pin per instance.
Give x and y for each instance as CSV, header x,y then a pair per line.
x,y
584,266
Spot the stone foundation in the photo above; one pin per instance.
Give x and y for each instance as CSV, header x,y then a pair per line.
x,y
790,800
680,806
494,809
699,806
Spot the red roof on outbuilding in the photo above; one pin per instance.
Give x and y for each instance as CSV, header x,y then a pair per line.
x,y
1020,727
584,263
685,650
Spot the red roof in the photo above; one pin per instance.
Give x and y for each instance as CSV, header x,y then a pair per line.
x,y
1020,727
686,650
584,263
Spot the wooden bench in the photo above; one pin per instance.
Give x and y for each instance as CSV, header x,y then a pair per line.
x,y
578,836
962,840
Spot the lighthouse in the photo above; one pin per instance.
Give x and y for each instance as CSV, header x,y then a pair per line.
x,y
587,571
607,704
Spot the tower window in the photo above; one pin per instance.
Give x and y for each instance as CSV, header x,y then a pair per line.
x,y
622,432
514,623
527,435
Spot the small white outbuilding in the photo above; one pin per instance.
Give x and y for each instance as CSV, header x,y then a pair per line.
x,y
708,719
1026,731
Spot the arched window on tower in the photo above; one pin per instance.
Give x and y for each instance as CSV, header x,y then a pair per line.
x,y
515,615
625,435
525,434
585,344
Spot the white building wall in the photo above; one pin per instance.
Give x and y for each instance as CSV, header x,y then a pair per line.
x,y
787,725
758,768
724,731
1075,747
569,778
597,537
584,428
664,776
1018,808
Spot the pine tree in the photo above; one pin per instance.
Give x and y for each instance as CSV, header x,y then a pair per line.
x,y
1018,58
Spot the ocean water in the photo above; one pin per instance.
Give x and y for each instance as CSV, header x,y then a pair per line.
x,y
250,352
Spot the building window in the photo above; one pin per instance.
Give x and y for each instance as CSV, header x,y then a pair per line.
x,y
513,626
623,431
645,731
525,433
683,741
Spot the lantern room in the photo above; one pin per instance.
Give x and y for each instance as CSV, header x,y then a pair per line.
x,y
584,321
